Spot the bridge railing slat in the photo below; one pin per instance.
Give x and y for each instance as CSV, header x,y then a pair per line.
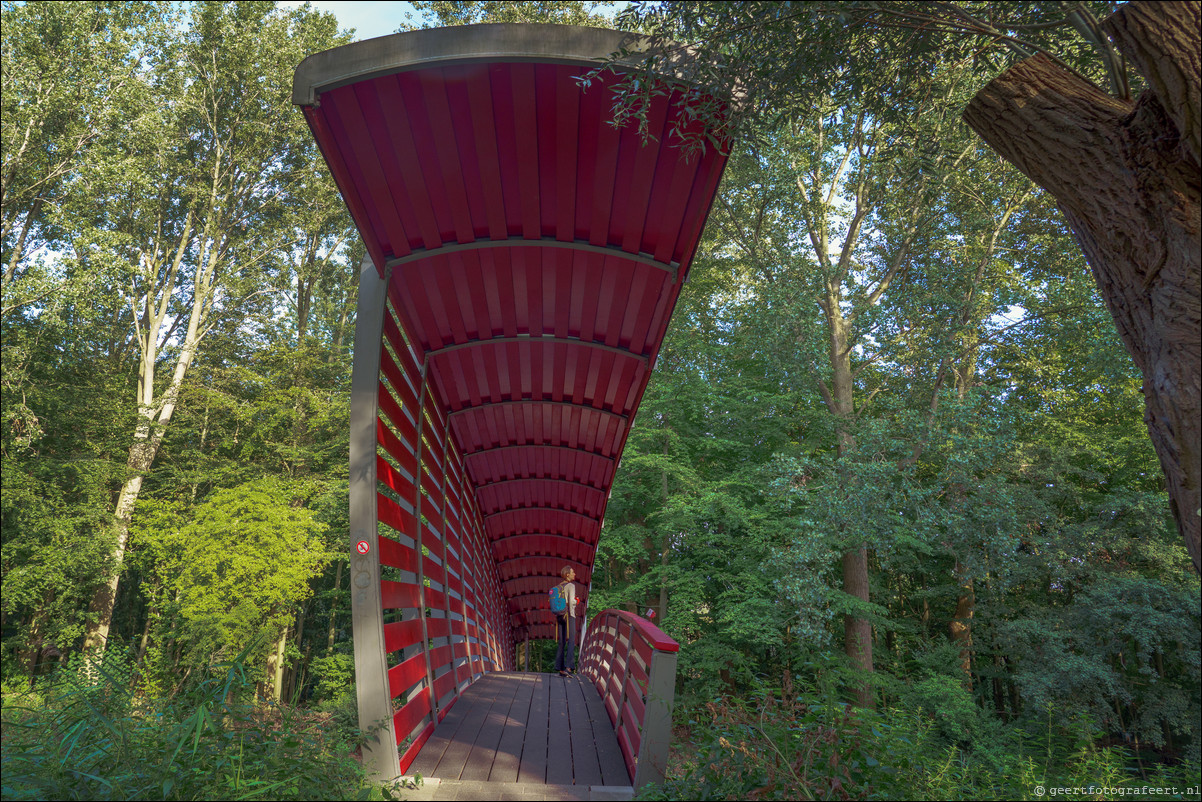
x,y
632,664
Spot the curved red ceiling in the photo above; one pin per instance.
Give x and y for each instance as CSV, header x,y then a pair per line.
x,y
534,254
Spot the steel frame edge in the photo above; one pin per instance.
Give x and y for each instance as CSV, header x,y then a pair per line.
x,y
380,757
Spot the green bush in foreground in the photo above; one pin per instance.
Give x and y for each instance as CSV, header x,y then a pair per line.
x,y
808,747
90,738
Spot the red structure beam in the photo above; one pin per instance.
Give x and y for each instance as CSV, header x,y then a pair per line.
x,y
524,258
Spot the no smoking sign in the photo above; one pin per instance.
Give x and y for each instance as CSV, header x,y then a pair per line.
x,y
362,547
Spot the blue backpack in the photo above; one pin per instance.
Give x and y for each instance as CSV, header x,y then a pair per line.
x,y
559,600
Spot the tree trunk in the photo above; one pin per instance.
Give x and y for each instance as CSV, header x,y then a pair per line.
x,y
1126,177
275,666
332,631
153,418
960,627
19,248
666,552
857,632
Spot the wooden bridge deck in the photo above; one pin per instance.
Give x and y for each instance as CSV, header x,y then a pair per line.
x,y
514,727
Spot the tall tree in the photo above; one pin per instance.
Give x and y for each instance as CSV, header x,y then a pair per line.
x,y
774,57
71,80
1126,177
198,213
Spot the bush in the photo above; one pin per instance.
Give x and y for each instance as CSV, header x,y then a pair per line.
x,y
776,746
92,739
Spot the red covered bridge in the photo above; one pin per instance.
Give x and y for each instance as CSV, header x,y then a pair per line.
x,y
524,258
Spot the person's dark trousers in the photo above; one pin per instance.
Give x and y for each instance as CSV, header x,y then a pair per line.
x,y
567,636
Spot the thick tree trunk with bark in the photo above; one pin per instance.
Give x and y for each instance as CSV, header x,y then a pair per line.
x,y
1126,177
960,627
857,632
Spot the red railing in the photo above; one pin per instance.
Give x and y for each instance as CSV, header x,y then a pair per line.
x,y
445,618
632,663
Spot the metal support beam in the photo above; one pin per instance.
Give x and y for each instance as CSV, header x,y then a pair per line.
x,y
486,405
543,536
495,449
380,761
580,246
417,538
542,509
569,482
657,720
446,547
541,340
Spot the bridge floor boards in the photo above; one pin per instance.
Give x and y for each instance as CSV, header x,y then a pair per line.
x,y
519,727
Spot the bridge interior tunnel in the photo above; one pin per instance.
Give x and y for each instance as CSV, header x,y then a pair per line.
x,y
524,259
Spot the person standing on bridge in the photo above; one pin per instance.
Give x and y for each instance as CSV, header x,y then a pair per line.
x,y
565,626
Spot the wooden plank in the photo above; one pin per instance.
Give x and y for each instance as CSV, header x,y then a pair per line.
x,y
477,700
586,769
509,751
559,740
533,768
427,759
480,759
609,756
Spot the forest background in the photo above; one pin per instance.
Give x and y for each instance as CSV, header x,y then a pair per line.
x,y
889,344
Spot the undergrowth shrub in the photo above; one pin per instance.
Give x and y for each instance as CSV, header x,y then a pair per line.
x,y
90,737
772,745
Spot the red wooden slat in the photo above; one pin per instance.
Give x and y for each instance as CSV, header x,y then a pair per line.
x,y
399,136
392,478
409,755
398,556
395,448
399,634
404,676
398,594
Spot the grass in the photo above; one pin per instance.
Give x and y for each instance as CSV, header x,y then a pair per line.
x,y
87,735
769,747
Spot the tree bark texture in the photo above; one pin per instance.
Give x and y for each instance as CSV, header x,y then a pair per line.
x,y
1126,177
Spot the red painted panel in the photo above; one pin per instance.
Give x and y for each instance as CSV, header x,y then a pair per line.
x,y
398,635
409,755
398,595
404,676
444,155
439,657
393,478
394,554
442,686
395,448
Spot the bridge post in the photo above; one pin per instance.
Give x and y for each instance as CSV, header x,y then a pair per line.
x,y
657,720
380,761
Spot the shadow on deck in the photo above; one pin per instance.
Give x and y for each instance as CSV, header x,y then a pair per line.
x,y
518,735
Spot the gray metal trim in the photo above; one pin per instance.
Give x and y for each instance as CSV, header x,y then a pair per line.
x,y
531,338
421,576
583,246
541,508
577,541
495,449
532,401
399,52
657,721
464,533
446,548
380,758
585,485
575,563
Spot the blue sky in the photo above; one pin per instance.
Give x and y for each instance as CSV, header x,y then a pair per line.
x,y
369,18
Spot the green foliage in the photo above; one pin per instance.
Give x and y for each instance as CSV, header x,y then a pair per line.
x,y
92,738
334,676
247,560
440,13
774,745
